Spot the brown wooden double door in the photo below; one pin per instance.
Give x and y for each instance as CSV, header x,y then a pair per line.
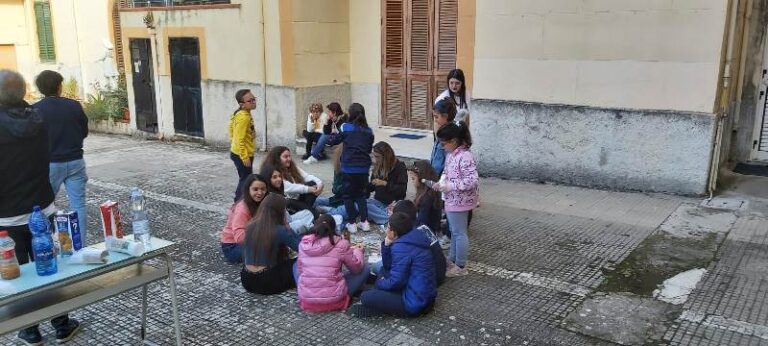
x,y
418,51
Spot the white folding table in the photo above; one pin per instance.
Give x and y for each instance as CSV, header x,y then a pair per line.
x,y
40,298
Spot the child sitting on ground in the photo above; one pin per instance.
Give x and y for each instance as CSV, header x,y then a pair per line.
x,y
438,257
322,286
409,288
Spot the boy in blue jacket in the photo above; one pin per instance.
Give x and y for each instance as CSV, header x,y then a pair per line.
x,y
409,288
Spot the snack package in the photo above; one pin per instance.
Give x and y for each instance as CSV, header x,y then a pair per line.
x,y
110,220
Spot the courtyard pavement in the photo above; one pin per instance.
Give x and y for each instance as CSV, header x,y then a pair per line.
x,y
538,253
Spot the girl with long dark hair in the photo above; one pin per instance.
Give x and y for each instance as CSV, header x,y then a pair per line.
x,y
457,92
300,187
336,118
300,220
233,233
267,268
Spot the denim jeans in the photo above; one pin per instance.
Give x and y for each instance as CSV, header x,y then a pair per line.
x,y
458,222
377,211
355,282
72,175
233,253
319,148
243,172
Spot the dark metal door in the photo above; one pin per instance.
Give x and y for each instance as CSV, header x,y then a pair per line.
x,y
143,84
185,81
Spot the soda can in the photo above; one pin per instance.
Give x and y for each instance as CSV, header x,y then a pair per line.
x,y
62,237
74,230
110,220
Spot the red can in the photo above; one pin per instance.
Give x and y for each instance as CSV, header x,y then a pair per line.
x,y
110,219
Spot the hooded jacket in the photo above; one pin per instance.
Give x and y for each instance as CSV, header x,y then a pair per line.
x,y
412,271
321,285
24,161
461,178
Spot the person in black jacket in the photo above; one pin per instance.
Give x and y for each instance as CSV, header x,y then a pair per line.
x,y
24,183
67,128
336,118
389,183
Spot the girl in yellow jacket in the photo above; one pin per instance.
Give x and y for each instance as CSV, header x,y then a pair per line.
x,y
242,136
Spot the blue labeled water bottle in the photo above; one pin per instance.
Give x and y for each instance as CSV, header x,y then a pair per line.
x,y
42,243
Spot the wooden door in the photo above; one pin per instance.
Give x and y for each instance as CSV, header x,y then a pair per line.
x,y
143,84
185,86
418,50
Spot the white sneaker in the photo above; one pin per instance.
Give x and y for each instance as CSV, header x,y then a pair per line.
x,y
456,271
445,242
310,160
365,226
352,227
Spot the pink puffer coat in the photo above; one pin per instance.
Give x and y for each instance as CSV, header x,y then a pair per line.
x,y
321,284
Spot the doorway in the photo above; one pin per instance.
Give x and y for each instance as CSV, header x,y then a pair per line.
x,y
185,83
143,84
418,51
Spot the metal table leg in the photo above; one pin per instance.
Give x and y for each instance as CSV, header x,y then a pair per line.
x,y
172,283
143,313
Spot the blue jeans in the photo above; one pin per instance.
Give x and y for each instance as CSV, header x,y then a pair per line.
x,y
458,222
355,282
233,253
243,172
72,175
320,146
377,211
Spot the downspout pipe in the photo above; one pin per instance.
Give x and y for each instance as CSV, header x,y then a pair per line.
x,y
264,82
723,101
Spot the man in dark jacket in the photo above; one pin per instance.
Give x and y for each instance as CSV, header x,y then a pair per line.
x,y
67,128
24,182
409,288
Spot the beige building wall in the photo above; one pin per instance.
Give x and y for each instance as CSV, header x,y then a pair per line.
x,y
365,56
606,53
80,29
320,37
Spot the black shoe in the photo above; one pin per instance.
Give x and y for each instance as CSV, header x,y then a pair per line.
x,y
305,156
31,336
68,332
371,279
361,311
322,156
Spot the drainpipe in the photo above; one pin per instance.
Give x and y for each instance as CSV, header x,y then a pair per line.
x,y
724,100
79,53
156,80
264,83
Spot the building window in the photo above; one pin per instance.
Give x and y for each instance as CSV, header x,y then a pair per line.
x,y
45,31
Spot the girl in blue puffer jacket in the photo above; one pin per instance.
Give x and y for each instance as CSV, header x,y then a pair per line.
x,y
409,288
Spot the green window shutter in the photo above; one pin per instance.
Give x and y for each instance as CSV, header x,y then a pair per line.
x,y
45,31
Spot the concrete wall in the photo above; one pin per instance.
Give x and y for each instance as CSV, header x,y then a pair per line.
x,y
80,29
606,53
642,150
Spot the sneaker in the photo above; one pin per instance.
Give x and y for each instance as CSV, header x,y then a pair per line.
x,y
445,242
310,160
361,311
365,226
352,227
31,336
67,333
456,271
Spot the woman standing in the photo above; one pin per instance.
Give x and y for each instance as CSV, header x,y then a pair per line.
x,y
457,91
242,137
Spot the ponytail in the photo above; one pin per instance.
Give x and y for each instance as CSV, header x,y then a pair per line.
x,y
325,226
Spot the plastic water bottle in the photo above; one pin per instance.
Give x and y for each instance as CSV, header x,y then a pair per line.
x,y
9,265
141,231
42,243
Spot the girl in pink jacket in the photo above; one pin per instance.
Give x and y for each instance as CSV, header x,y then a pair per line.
x,y
321,284
232,235
458,183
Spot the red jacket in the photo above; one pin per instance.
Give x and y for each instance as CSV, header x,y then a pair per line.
x,y
321,284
